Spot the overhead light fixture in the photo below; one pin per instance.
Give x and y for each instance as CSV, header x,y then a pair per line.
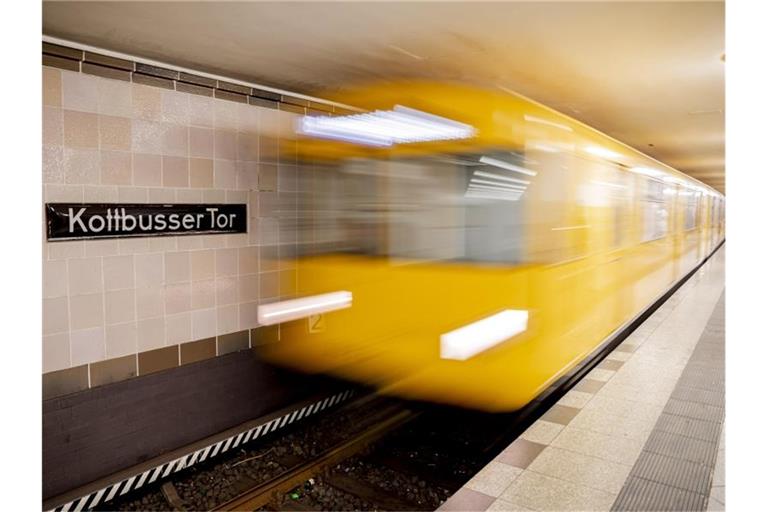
x,y
484,174
470,340
506,165
277,312
601,152
401,125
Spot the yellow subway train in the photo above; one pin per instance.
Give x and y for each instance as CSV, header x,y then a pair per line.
x,y
470,246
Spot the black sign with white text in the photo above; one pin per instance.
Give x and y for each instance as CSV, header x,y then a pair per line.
x,y
73,221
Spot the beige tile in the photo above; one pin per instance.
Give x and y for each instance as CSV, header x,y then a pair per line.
x,y
84,276
54,279
227,320
79,92
87,345
175,171
629,426
493,478
115,133
65,250
201,143
147,102
116,168
51,87
614,449
53,126
138,195
248,260
224,174
224,145
147,137
150,333
502,505
162,195
542,432
53,164
186,195
200,111
121,339
175,107
178,328
114,98
81,130
56,352
600,375
248,315
202,264
120,306
147,170
94,248
203,323
86,311
177,298
616,406
226,262
164,244
225,114
226,290
101,194
118,272
81,166
113,370
55,315
176,141
248,288
150,302
177,268
203,294
200,173
269,285
577,399
150,270
247,146
541,492
581,469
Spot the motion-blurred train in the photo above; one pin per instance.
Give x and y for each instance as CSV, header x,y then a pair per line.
x,y
471,246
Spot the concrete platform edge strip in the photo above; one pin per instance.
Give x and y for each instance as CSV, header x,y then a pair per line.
x,y
159,471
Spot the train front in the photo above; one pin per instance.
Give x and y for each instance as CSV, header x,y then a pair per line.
x,y
423,263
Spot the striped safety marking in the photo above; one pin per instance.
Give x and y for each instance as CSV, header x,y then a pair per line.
x,y
162,471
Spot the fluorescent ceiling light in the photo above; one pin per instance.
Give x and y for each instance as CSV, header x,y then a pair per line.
x,y
534,119
401,125
493,187
506,165
277,312
601,152
470,340
484,174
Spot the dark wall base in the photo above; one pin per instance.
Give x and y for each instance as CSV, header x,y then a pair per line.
x,y
96,432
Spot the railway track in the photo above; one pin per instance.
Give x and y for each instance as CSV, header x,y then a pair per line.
x,y
264,493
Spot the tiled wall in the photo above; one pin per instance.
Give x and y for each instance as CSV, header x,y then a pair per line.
x,y
113,309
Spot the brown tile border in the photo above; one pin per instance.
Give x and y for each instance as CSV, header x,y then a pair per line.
x,y
589,386
72,59
468,500
521,453
561,414
72,380
610,364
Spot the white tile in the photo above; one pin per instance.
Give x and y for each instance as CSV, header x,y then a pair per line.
x,y
494,478
541,492
87,346
615,449
542,432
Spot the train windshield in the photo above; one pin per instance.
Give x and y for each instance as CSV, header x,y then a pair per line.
x,y
448,207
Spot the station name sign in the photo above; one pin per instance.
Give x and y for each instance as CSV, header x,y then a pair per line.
x,y
77,221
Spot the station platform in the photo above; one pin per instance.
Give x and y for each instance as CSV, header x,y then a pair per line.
x,y
644,430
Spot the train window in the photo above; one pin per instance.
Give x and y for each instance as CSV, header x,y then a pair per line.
x,y
655,211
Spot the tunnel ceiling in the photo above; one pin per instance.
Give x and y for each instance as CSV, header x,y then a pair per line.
x,y
647,73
